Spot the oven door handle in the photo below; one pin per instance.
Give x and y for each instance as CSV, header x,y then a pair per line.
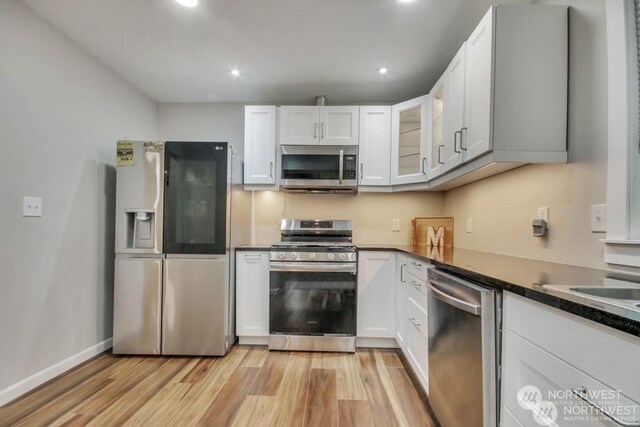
x,y
319,267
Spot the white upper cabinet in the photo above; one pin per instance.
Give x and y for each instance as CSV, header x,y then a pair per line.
x,y
313,125
436,156
504,96
454,114
299,125
339,125
260,144
375,146
410,128
447,113
476,132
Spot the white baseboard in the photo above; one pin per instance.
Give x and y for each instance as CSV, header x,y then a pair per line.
x,y
18,389
367,342
253,340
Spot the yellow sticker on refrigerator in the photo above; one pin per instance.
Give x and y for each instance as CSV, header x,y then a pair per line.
x,y
124,153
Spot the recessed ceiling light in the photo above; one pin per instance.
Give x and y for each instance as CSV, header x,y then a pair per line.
x,y
382,70
188,3
235,72
405,1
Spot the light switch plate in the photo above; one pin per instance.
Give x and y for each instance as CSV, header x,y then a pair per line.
x,y
31,206
395,224
469,225
599,218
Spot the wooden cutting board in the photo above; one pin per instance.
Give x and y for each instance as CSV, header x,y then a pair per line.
x,y
420,226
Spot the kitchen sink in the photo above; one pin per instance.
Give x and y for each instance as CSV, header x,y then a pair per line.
x,y
619,297
626,293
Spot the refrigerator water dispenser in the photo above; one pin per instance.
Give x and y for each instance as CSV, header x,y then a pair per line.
x,y
140,229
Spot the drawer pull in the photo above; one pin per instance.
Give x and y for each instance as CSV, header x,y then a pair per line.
x,y
413,320
581,392
416,284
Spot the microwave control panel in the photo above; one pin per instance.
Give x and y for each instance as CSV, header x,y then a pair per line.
x,y
350,167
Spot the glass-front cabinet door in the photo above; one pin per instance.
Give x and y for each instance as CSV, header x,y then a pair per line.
x,y
436,146
409,129
195,181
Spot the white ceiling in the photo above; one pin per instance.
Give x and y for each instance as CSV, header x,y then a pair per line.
x,y
288,51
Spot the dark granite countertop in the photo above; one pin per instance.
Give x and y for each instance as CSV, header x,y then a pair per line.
x,y
522,276
527,277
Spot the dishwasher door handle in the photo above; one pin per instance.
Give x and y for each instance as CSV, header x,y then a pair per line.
x,y
455,302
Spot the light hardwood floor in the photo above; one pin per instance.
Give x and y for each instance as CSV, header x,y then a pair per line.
x,y
249,387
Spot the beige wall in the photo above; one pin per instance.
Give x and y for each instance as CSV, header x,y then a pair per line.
x,y
503,206
371,213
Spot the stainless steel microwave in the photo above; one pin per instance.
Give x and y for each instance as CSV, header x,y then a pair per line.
x,y
319,168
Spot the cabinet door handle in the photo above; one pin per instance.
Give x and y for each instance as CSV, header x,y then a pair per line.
x,y
341,167
271,169
463,137
322,130
455,141
361,170
581,392
413,320
315,130
416,284
402,267
424,169
439,150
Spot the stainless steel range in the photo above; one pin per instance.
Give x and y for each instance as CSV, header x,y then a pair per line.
x,y
312,287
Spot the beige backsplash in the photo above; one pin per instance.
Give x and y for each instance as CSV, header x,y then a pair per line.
x,y
502,208
371,213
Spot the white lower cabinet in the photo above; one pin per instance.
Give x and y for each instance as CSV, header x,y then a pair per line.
x,y
252,294
417,342
551,357
376,294
411,315
401,300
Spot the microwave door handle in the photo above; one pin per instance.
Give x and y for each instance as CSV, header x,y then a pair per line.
x,y
341,167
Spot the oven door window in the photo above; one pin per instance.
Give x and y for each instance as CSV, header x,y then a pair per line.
x,y
299,166
312,303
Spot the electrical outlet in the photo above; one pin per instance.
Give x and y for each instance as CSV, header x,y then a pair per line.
x,y
395,224
469,225
599,218
31,206
543,213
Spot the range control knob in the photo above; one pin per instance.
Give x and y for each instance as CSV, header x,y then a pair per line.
x,y
294,255
312,256
342,257
282,255
330,256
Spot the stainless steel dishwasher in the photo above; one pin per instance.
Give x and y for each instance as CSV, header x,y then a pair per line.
x,y
464,350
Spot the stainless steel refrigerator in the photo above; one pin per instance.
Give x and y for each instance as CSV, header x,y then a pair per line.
x,y
180,212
